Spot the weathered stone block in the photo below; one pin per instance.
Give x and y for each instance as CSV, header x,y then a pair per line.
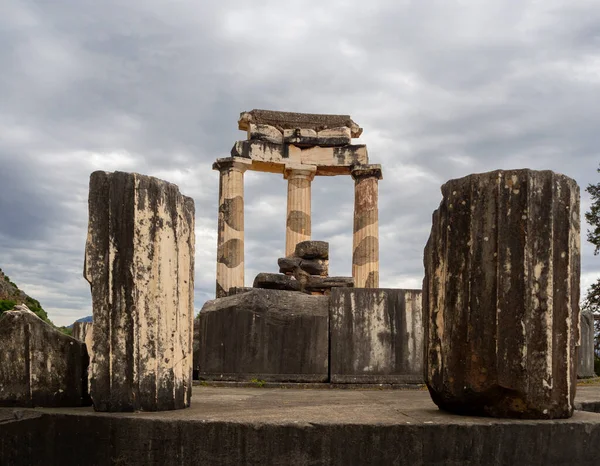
x,y
585,368
334,137
325,138
39,365
312,250
299,132
315,283
266,335
196,348
501,294
376,336
310,266
140,263
276,281
239,289
293,120
81,329
265,133
270,157
301,281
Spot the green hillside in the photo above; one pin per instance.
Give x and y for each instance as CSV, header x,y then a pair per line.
x,y
11,295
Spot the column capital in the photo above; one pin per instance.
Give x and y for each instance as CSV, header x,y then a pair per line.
x,y
359,172
299,171
240,164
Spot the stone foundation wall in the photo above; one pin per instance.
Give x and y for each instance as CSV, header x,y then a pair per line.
x,y
376,336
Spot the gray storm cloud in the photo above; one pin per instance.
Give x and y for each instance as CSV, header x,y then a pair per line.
x,y
441,88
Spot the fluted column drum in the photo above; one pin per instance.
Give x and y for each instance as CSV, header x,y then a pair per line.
x,y
501,295
298,224
365,239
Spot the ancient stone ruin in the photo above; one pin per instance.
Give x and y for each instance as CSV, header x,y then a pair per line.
x,y
306,270
139,260
501,295
353,332
264,334
39,365
495,331
299,146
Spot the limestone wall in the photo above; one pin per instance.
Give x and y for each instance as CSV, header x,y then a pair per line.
x,y
376,336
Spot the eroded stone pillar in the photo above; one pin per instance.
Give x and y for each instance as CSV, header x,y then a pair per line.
x,y
139,260
298,226
586,346
81,329
365,248
501,295
230,239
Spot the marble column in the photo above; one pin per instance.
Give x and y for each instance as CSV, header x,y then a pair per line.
x,y
365,255
230,239
298,206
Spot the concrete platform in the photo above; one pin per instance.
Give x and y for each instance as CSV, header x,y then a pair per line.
x,y
285,426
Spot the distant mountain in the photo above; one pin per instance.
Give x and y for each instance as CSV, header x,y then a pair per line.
x,y
83,319
11,295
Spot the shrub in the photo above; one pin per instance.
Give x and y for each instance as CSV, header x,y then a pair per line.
x,y
6,305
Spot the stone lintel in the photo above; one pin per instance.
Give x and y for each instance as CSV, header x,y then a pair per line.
x,y
366,171
326,138
238,163
293,120
265,156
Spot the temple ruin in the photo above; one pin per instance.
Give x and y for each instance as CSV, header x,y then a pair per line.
x,y
494,331
299,146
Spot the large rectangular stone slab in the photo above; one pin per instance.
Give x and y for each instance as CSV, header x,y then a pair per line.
x,y
269,335
376,336
295,120
39,365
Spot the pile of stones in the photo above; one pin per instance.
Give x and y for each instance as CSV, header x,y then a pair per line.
x,y
306,271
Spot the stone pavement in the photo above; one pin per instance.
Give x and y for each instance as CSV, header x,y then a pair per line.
x,y
298,427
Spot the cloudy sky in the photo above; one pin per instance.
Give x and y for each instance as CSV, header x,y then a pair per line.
x,y
442,89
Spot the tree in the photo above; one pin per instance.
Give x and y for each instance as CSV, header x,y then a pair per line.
x,y
593,215
592,299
